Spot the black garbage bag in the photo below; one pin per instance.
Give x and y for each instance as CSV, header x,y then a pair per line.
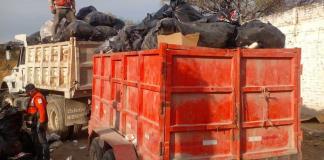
x,y
184,12
118,43
265,34
34,39
10,126
83,12
49,37
150,40
3,145
79,29
118,24
96,18
163,12
149,22
106,31
213,35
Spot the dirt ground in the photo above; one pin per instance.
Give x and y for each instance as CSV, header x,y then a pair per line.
x,y
313,145
74,149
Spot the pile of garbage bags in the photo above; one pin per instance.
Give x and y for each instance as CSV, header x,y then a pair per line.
x,y
215,31
13,140
91,25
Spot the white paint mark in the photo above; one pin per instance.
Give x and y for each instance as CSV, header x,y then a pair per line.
x,y
255,139
128,125
209,142
147,136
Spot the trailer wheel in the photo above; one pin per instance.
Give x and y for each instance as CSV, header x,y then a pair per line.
x,y
56,119
109,155
96,152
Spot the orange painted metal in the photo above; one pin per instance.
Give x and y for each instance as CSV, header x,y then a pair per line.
x,y
179,102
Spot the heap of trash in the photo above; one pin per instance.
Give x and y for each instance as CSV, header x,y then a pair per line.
x,y
91,25
13,139
215,30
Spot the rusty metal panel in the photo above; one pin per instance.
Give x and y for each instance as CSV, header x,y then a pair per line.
x,y
202,110
270,102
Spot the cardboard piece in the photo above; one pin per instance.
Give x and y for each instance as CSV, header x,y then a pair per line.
x,y
189,40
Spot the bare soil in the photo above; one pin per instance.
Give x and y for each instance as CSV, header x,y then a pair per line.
x,y
76,149
313,142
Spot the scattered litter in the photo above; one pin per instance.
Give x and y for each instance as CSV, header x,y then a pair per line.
x,y
56,144
83,147
75,142
53,137
69,158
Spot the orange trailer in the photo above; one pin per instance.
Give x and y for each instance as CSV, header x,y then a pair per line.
x,y
180,102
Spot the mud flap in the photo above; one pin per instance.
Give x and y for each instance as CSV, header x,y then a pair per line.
x,y
75,113
123,149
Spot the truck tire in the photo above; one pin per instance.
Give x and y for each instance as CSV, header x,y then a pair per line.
x,y
109,155
56,118
96,152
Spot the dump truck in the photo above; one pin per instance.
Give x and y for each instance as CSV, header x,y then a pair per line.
x,y
63,72
179,102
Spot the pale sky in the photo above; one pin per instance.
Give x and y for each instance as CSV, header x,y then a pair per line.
x,y
27,16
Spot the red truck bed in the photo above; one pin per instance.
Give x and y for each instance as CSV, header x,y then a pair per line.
x,y
200,103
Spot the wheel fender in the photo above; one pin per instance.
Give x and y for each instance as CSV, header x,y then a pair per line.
x,y
122,149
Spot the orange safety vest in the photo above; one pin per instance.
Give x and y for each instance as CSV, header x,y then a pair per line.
x,y
62,2
37,107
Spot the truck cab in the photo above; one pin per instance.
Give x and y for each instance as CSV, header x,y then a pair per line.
x,y
14,82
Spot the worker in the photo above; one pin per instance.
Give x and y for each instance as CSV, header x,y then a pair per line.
x,y
37,116
62,9
230,11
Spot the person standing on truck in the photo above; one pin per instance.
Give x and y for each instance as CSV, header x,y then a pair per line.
x,y
37,121
62,9
230,11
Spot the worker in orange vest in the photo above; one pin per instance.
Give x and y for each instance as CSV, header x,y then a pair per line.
x,y
62,9
37,116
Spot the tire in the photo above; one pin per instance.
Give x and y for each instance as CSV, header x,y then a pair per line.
x,y
95,151
109,155
56,118
75,130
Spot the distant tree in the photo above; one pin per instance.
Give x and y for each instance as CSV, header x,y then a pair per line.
x,y
249,9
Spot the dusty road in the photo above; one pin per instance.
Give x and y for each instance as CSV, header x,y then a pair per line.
x,y
76,149
313,145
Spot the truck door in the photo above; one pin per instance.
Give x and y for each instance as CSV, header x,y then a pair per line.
x,y
20,83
